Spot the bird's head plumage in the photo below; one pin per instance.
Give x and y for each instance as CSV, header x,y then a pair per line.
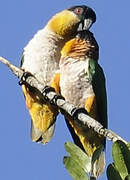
x,y
71,20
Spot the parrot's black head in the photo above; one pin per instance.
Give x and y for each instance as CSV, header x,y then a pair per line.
x,y
67,22
86,15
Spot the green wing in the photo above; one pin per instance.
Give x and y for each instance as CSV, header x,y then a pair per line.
x,y
98,82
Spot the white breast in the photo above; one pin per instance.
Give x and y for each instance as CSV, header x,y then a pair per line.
x,y
74,81
41,56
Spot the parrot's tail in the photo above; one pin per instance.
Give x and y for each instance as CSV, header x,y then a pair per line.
x,y
43,117
91,143
42,137
99,165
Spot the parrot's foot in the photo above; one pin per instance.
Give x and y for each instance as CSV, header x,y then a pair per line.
x,y
76,111
24,77
55,98
46,90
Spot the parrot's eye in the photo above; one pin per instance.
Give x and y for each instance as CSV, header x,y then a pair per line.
x,y
78,10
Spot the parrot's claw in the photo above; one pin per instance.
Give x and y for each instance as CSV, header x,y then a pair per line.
x,y
46,90
55,98
76,111
24,77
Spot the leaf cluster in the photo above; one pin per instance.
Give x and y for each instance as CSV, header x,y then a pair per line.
x,y
79,164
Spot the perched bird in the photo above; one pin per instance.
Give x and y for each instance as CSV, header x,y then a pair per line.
x,y
41,58
82,83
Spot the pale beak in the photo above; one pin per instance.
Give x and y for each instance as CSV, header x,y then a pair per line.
x,y
85,25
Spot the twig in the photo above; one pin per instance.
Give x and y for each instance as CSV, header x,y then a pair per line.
x,y
82,118
17,71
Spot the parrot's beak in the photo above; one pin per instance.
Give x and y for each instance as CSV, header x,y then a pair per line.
x,y
85,25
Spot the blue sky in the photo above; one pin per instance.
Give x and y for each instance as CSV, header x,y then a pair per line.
x,y
19,21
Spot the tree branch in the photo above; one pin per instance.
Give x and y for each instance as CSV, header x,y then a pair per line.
x,y
81,120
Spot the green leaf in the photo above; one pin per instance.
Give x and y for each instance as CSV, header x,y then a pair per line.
x,y
121,157
112,173
74,169
79,156
127,177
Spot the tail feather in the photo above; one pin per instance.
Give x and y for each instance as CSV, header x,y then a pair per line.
x,y
43,116
90,142
42,137
99,165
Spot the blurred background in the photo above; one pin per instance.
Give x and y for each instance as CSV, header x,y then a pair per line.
x,y
19,21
